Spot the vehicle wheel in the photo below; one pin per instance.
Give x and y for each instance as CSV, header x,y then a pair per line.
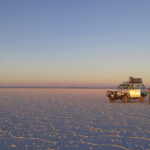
x,y
141,99
126,99
111,99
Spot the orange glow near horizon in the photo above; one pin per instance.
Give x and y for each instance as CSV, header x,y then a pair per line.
x,y
80,76
80,79
37,81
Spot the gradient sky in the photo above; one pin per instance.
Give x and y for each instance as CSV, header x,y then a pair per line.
x,y
74,42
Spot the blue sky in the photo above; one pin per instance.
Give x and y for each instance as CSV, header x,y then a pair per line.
x,y
81,42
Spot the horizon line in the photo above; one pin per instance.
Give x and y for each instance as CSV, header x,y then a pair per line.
x,y
61,87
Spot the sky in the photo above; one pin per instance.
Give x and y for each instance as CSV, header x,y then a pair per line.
x,y
74,42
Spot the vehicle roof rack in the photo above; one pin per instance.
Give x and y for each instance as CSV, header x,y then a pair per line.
x,y
135,80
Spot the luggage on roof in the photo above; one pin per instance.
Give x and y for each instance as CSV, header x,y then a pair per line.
x,y
135,80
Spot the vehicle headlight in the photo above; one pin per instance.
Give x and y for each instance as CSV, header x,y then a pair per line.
x,y
119,93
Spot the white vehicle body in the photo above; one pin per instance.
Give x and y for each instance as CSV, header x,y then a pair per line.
x,y
135,93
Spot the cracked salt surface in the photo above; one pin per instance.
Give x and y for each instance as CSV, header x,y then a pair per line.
x,y
71,119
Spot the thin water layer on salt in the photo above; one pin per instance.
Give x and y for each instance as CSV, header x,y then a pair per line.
x,y
71,119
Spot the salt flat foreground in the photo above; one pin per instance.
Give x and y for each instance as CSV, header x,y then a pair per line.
x,y
71,119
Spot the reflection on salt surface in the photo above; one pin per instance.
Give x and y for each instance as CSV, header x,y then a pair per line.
x,y
71,119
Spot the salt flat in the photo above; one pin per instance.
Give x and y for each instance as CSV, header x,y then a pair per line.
x,y
71,119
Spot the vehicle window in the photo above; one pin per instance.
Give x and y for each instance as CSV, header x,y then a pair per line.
x,y
123,86
143,87
136,86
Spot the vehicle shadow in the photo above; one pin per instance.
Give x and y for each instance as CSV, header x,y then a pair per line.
x,y
132,101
